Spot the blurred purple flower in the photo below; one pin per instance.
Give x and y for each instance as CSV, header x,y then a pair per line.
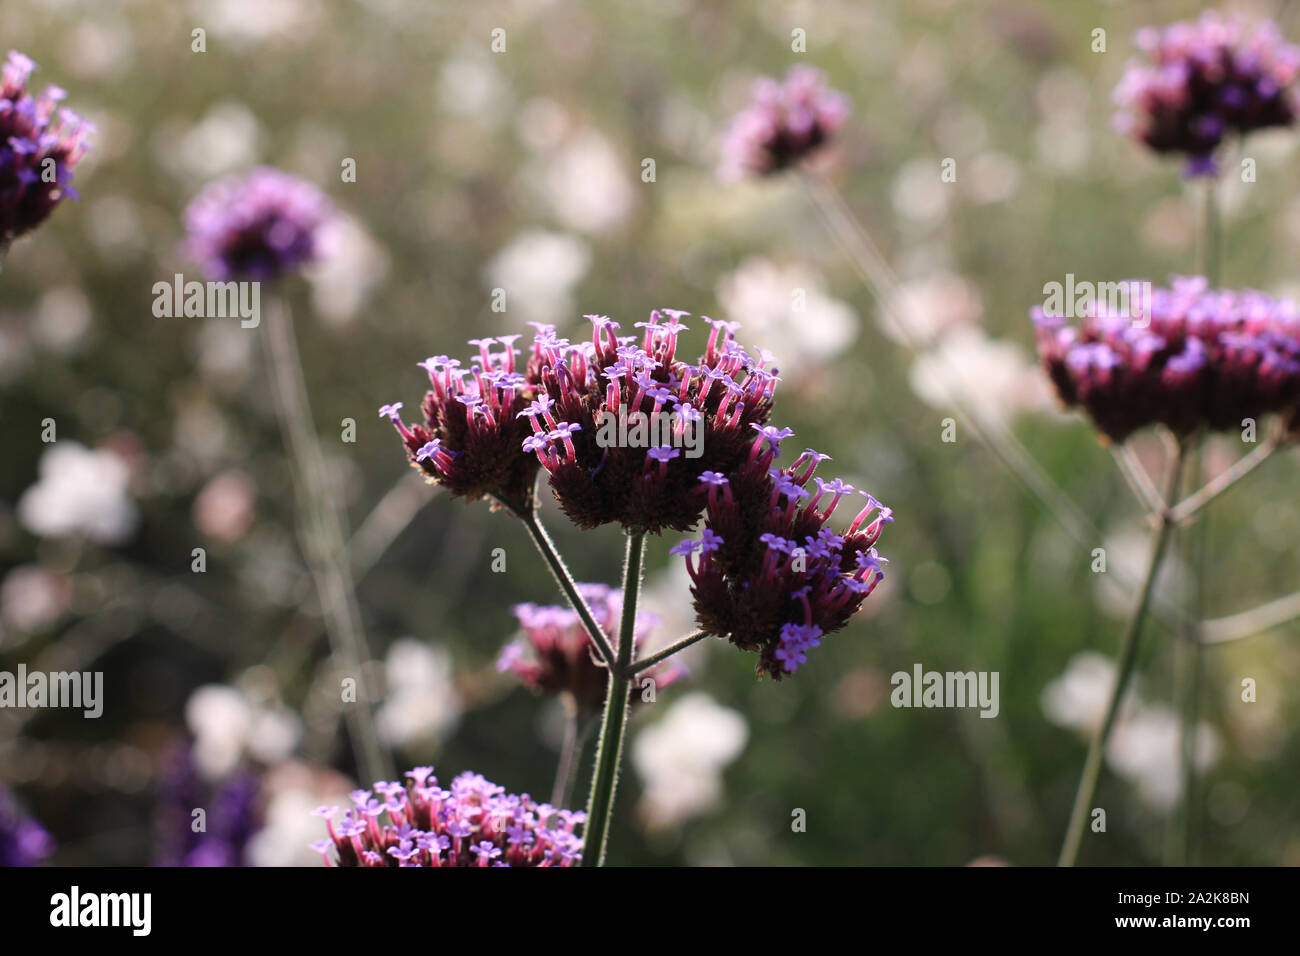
x,y
40,144
23,841
556,653
1202,358
257,226
475,823
1205,79
230,814
785,122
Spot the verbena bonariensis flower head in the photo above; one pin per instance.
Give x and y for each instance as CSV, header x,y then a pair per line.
x,y
475,823
257,226
1206,79
1201,358
768,573
624,430
475,424
23,841
785,122
556,654
40,145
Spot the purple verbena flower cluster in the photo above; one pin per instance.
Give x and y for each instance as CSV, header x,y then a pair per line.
x,y
556,654
1205,359
1206,79
475,823
784,123
471,441
771,576
23,841
258,226
40,144
702,414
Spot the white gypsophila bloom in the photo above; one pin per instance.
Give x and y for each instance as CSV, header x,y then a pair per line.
x,y
539,272
472,86
928,305
351,265
1146,750
1126,553
33,598
422,703
787,309
680,758
226,139
1077,699
80,492
227,726
586,184
246,22
994,380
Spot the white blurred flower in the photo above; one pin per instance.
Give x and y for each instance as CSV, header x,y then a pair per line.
x,y
1144,747
763,295
470,85
223,510
254,21
291,791
227,724
62,318
929,305
227,138
919,194
80,492
1077,699
225,353
992,177
681,757
33,598
995,380
1146,750
343,278
1127,552
587,184
422,703
539,271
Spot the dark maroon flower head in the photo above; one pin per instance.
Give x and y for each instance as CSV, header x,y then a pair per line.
x,y
475,823
771,576
785,123
1195,358
475,425
23,841
624,431
40,144
1206,79
258,226
557,656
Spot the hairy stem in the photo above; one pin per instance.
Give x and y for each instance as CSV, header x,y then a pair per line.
x,y
600,805
564,579
666,653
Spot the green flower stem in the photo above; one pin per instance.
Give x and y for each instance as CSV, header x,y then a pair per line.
x,y
666,653
565,580
1124,671
600,805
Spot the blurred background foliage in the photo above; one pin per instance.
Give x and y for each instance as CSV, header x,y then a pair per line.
x,y
522,170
